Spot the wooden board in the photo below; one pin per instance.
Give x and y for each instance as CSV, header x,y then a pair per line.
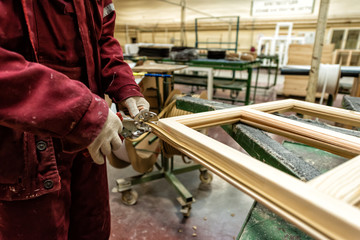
x,y
300,54
346,57
342,182
296,86
158,68
355,90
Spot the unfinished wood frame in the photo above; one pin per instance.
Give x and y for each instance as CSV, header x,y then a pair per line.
x,y
324,207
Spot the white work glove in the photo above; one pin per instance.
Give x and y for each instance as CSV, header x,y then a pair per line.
x,y
122,153
107,140
135,104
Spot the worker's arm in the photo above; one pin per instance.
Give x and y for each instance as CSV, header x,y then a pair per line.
x,y
117,76
42,101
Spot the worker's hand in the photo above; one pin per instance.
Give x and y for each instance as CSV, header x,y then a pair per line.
x,y
135,104
107,140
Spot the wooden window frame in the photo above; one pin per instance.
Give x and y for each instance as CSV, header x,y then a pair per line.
x,y
344,39
325,207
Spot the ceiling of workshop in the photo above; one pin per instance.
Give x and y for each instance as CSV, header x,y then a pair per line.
x,y
156,11
144,12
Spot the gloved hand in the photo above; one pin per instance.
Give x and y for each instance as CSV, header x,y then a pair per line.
x,y
135,104
122,153
107,140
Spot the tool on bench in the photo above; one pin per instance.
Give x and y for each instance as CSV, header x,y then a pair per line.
x,y
145,74
135,127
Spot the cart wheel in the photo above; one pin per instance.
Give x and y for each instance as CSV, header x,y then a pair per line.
x,y
185,210
150,169
206,177
129,197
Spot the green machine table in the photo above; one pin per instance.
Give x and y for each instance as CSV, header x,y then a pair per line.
x,y
292,158
271,64
231,83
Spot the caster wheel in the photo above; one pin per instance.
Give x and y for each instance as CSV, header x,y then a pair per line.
x,y
185,207
206,177
150,170
186,211
129,197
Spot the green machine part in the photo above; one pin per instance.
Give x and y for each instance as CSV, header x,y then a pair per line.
x,y
292,158
264,224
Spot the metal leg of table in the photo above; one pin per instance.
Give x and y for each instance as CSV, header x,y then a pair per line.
x,y
248,87
166,86
256,83
276,72
210,79
158,94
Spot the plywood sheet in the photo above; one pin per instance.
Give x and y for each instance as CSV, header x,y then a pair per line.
x,y
296,86
301,54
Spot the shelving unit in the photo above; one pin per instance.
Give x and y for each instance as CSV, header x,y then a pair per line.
x,y
232,44
346,57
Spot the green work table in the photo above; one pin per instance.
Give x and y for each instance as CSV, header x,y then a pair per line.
x,y
271,64
231,83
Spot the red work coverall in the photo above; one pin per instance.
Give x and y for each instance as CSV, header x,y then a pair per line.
x,y
57,59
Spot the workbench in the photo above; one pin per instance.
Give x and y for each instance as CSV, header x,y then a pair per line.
x,y
230,83
292,158
271,64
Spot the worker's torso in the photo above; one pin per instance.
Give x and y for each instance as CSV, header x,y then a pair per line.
x,y
56,36
59,44
61,34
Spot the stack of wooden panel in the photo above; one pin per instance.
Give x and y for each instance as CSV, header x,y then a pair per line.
x,y
347,57
300,54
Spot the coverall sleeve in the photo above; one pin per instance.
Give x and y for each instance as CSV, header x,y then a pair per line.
x,y
117,76
37,99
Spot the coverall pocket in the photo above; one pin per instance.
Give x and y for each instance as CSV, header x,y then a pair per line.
x,y
12,162
28,168
58,37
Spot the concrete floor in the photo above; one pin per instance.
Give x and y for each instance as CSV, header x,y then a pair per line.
x,y
218,213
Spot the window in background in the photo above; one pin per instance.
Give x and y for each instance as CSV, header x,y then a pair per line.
x,y
352,39
346,38
347,44
337,38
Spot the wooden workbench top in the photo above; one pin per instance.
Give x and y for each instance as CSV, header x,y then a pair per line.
x,y
158,68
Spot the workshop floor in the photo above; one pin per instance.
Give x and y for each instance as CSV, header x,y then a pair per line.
x,y
219,210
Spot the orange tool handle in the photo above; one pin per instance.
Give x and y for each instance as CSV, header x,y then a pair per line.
x,y
120,116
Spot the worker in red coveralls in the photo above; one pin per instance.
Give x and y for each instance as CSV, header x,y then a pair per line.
x,y
57,60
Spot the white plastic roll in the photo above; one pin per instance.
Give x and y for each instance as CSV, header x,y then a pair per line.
x,y
328,81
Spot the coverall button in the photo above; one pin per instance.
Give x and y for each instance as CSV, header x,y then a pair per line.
x,y
48,184
41,145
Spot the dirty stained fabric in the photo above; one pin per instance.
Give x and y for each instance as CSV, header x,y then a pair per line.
x,y
57,60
